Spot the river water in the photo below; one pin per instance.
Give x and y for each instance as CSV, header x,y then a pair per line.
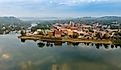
x,y
28,55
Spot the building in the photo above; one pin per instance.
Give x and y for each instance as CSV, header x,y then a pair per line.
x,y
57,33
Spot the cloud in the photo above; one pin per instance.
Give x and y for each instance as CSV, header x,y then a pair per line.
x,y
59,7
51,1
75,2
56,2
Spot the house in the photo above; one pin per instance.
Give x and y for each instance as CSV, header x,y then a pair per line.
x,y
57,33
86,26
69,32
74,28
50,33
35,33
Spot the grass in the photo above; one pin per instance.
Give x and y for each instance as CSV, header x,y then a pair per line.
x,y
47,38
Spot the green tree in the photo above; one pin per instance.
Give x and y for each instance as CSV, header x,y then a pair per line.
x,y
41,33
23,33
106,36
75,35
99,35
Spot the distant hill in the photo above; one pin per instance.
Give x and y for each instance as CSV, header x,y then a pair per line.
x,y
101,18
110,18
43,18
88,20
9,20
38,18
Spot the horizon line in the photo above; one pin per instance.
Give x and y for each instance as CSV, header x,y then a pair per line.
x,y
56,16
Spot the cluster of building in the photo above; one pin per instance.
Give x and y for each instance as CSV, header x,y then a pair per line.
x,y
77,30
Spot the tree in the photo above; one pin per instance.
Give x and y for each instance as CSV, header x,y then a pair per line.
x,y
41,33
75,35
23,33
106,36
90,30
99,35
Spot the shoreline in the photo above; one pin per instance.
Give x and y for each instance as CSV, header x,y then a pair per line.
x,y
46,38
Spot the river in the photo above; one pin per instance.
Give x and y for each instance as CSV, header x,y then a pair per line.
x,y
28,55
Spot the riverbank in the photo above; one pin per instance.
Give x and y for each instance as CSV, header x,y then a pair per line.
x,y
47,38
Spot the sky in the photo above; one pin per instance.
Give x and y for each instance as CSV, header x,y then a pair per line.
x,y
60,8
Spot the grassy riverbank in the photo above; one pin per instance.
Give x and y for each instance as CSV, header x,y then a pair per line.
x,y
47,38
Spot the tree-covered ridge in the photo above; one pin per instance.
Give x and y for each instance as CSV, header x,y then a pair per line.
x,y
9,20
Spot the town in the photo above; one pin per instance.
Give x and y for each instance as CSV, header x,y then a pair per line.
x,y
60,34
75,32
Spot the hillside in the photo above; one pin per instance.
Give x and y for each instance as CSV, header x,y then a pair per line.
x,y
9,20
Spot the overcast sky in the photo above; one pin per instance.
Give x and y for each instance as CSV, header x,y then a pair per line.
x,y
59,8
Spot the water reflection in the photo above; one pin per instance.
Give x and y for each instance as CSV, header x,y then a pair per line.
x,y
58,43
69,43
48,44
88,44
6,56
97,46
106,46
112,46
92,44
41,45
74,44
23,40
117,45
18,56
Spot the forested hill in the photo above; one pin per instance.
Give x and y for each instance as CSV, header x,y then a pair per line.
x,y
102,20
89,20
10,20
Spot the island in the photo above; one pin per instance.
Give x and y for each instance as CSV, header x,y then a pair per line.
x,y
75,32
